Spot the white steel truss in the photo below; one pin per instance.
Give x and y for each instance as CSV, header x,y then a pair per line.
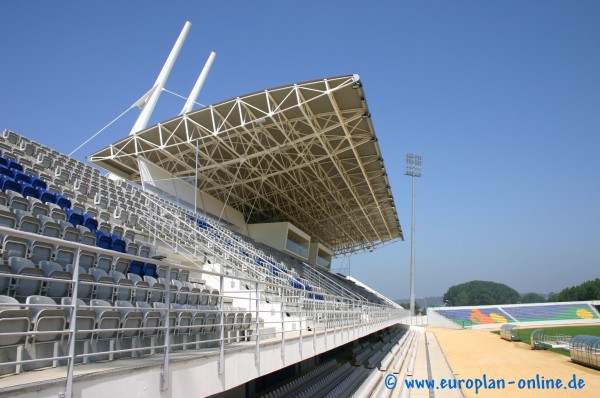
x,y
305,153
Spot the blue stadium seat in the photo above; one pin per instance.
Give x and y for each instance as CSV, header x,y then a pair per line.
x,y
5,171
22,177
117,244
90,222
136,267
10,184
15,165
28,190
103,241
47,196
63,202
3,162
150,270
74,217
38,183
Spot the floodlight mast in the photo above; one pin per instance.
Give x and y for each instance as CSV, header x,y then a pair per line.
x,y
413,169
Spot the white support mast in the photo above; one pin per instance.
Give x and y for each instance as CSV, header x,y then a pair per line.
x,y
149,100
189,104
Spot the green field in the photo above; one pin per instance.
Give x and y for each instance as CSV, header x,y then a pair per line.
x,y
525,334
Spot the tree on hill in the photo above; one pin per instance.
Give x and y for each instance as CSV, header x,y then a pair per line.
x,y
589,290
532,298
406,306
481,293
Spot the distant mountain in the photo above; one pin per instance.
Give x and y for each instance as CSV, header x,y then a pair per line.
x,y
424,302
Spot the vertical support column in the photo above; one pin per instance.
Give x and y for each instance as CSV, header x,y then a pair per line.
x,y
325,311
257,331
281,309
222,340
301,297
164,375
314,317
196,203
73,326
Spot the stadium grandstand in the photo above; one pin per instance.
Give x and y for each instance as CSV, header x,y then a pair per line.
x,y
193,257
489,316
200,261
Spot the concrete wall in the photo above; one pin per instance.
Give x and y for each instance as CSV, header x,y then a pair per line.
x,y
437,320
159,181
276,234
193,373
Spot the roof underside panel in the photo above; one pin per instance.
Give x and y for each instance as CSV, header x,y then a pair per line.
x,y
305,153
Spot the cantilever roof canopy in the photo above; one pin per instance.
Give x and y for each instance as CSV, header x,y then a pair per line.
x,y
305,153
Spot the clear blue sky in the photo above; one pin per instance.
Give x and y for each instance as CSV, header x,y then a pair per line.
x,y
502,100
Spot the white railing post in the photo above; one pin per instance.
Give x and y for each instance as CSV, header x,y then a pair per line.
x,y
282,296
221,310
73,326
257,331
314,329
301,300
164,375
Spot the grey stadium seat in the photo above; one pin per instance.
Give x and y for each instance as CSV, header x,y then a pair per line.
x,y
86,318
152,320
137,281
123,291
106,318
13,319
84,290
53,288
27,222
25,287
102,292
131,318
46,319
49,226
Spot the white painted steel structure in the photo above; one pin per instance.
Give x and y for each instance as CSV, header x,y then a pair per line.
x,y
191,101
149,100
305,153
333,320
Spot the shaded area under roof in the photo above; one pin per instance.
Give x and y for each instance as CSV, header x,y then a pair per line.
x,y
305,153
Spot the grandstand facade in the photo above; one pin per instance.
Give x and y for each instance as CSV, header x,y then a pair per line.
x,y
98,270
200,261
494,316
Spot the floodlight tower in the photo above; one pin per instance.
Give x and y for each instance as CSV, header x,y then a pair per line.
x,y
413,169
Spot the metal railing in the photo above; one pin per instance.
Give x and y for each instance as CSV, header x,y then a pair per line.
x,y
187,238
93,332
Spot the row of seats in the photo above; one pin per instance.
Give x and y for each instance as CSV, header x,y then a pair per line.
x,y
55,281
83,188
19,187
248,249
40,322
